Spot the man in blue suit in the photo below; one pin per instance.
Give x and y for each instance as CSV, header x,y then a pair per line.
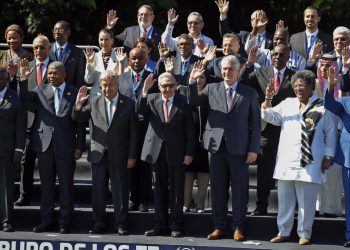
x,y
58,141
232,138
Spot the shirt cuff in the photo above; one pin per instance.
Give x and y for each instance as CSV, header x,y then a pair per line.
x,y
193,82
222,18
329,152
169,27
18,150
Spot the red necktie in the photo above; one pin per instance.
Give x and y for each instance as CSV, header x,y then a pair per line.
x,y
39,74
165,110
277,82
136,78
144,34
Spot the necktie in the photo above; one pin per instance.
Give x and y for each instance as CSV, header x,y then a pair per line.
x,y
184,68
137,78
110,111
277,82
165,110
57,99
39,74
229,98
259,40
59,52
144,34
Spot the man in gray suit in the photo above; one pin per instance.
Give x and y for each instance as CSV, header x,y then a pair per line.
x,y
57,140
131,84
169,145
41,50
113,149
232,138
12,141
304,42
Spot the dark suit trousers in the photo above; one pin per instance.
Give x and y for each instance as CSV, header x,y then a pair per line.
x,y
119,176
6,190
27,171
169,192
223,168
51,164
266,165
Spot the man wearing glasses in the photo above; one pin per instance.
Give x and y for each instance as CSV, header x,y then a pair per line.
x,y
169,146
144,28
70,55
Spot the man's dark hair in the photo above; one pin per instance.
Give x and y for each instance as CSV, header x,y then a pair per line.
x,y
313,8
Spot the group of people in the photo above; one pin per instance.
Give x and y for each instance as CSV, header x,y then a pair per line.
x,y
171,106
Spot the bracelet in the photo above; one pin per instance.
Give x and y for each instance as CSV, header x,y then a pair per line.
x,y
267,98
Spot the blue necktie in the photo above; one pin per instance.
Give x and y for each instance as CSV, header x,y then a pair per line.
x,y
57,99
184,68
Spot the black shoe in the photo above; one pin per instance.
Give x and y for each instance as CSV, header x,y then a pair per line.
x,y
22,202
259,212
64,229
7,227
317,213
43,228
157,232
176,234
97,230
143,208
328,215
122,231
347,243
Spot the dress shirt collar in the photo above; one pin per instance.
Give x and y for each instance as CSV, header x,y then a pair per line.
x,y
233,86
170,99
114,100
45,62
262,34
185,60
281,71
140,73
308,34
2,93
148,30
63,46
61,87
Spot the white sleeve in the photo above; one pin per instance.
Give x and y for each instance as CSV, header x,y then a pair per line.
x,y
167,38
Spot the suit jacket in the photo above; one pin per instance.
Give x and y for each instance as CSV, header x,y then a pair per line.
x,y
60,130
74,62
239,126
130,34
177,135
224,28
181,80
120,137
298,42
12,124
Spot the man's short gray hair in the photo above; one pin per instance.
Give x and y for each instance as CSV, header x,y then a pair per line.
x,y
232,59
44,38
165,75
57,65
342,29
196,14
109,74
307,76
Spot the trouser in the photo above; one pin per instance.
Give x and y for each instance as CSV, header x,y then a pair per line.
x,y
6,190
202,182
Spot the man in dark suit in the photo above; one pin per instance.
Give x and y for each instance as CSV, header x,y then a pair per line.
x,y
41,50
258,21
57,140
131,85
128,37
232,138
70,55
113,149
12,142
305,41
270,134
183,62
169,145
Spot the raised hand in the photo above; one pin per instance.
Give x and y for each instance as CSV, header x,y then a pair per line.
x,y
89,54
317,51
164,51
172,17
318,88
169,64
223,6
120,54
333,77
202,47
197,70
12,68
210,55
280,24
261,20
112,19
346,57
24,70
270,89
81,97
149,81
252,56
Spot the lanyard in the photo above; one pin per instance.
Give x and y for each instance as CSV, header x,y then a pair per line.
x,y
313,39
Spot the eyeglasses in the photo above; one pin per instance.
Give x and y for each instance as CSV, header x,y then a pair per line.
x,y
342,39
183,44
39,47
193,23
300,86
170,86
58,29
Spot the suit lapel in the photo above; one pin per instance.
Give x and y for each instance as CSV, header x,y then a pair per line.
x,y
174,108
303,43
136,33
158,104
48,94
66,55
236,97
102,109
119,108
222,95
64,99
5,99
